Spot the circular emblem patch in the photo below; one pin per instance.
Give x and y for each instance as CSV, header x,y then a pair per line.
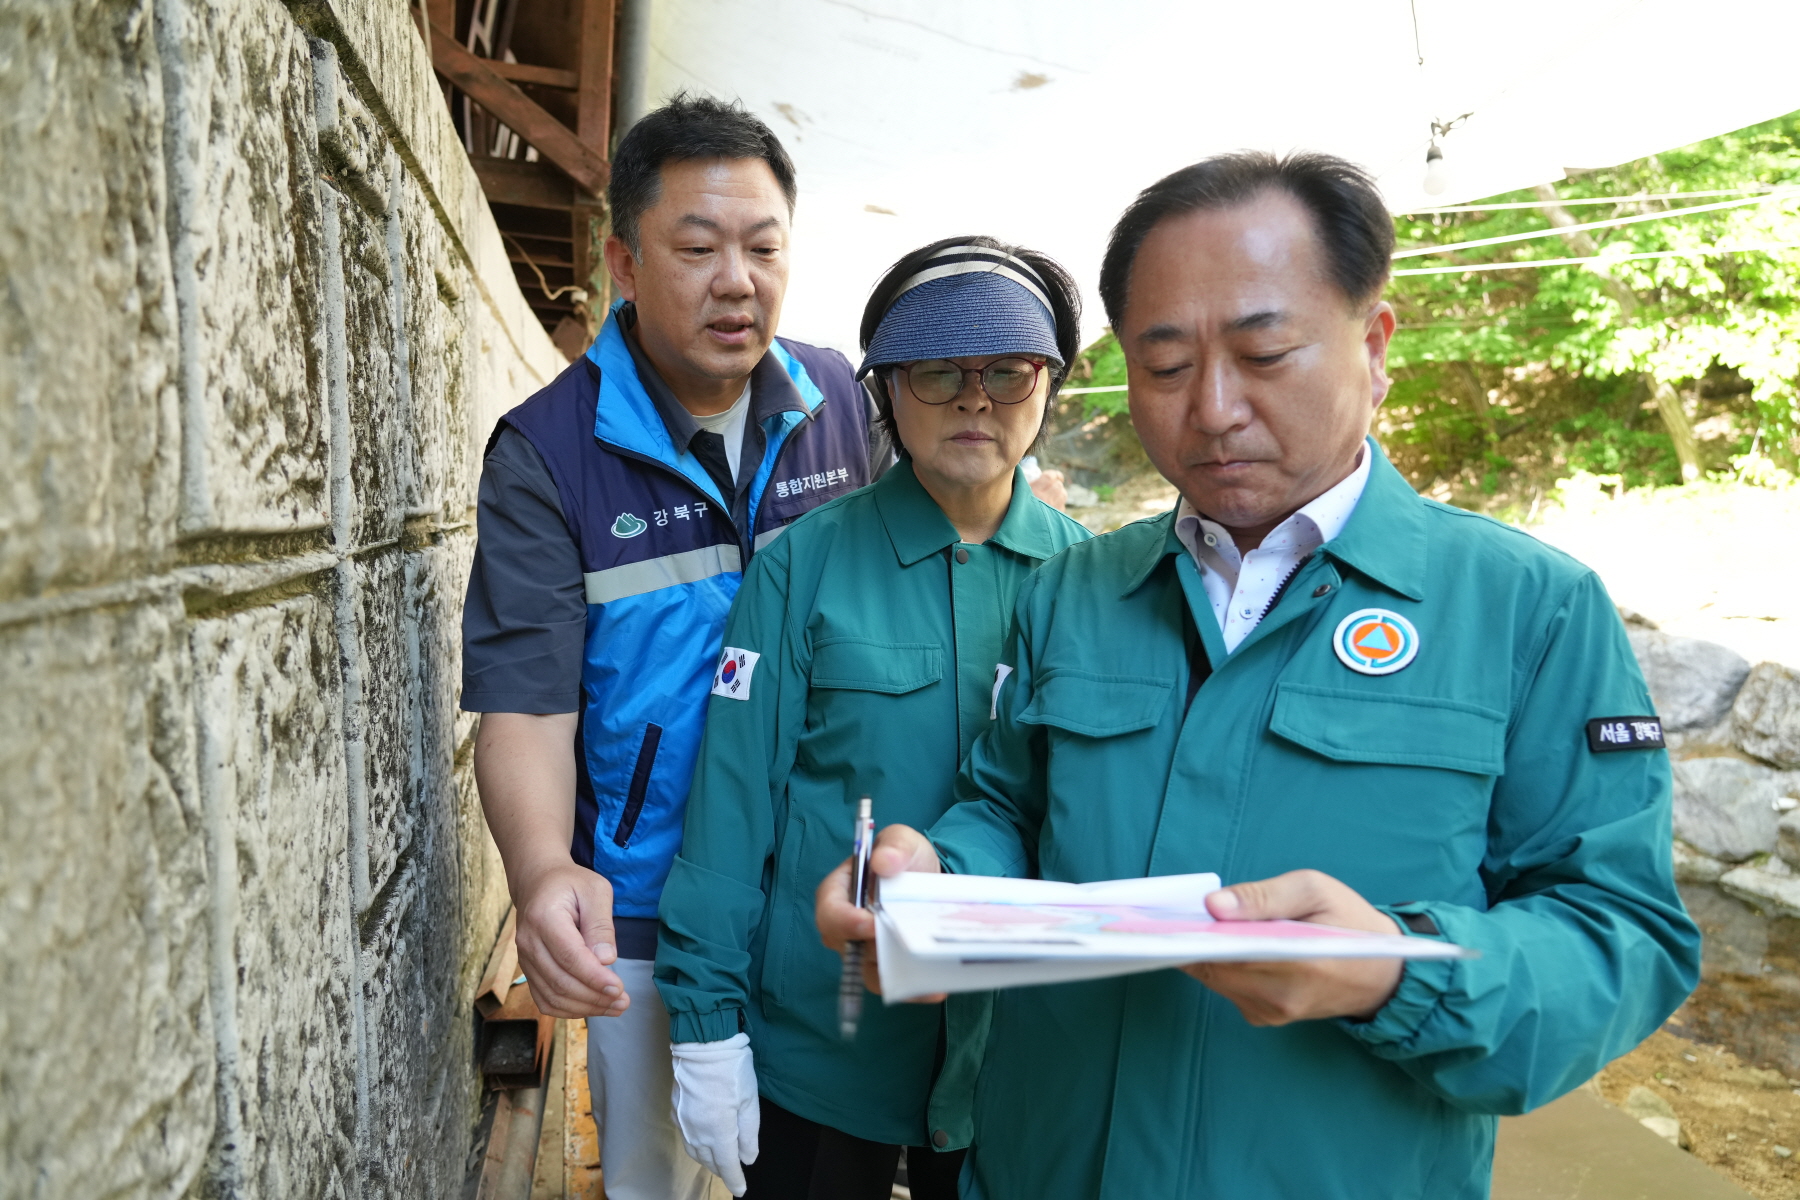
x,y
1375,641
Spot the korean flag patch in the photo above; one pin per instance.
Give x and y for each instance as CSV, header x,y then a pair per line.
x,y
732,679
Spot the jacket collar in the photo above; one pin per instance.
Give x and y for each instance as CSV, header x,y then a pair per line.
x,y
918,528
773,390
1383,540
1385,537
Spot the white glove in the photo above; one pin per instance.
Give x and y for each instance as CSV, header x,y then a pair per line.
x,y
715,1106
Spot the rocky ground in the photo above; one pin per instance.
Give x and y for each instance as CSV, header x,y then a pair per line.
x,y
1740,1119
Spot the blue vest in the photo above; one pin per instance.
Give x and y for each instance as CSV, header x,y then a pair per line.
x,y
661,559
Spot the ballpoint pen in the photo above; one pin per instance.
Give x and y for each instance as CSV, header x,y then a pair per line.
x,y
850,984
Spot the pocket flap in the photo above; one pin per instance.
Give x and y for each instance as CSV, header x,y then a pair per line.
x,y
863,665
1414,731
1096,705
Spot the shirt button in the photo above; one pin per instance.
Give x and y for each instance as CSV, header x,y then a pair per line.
x,y
962,556
1211,540
1321,590
939,1138
1244,612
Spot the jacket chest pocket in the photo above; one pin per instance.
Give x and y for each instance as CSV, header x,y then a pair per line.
x,y
1096,706
874,710
865,665
1387,792
1104,766
1409,731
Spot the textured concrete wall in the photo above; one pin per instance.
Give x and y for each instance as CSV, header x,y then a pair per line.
x,y
255,322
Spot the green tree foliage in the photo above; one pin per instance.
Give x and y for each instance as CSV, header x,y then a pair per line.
x,y
1506,381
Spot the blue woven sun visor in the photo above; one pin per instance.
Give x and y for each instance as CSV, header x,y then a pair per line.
x,y
959,316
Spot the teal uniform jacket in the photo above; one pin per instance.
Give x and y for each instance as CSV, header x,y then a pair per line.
x,y
878,635
1461,787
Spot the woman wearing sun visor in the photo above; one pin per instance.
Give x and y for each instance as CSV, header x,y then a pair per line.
x,y
860,660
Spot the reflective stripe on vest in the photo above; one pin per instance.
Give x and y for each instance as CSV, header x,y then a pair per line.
x,y
634,579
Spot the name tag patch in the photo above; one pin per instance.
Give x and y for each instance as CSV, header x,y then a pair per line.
x,y
1607,734
732,679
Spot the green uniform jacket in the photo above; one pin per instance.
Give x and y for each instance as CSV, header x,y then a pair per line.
x,y
878,634
1461,787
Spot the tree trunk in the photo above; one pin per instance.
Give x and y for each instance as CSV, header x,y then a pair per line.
x,y
1681,430
1479,397
1668,403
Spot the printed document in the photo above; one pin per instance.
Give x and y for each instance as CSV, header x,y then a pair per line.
x,y
970,933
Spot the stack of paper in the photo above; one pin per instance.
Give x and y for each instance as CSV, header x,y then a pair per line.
x,y
970,933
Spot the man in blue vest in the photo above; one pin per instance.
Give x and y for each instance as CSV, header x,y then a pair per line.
x,y
618,507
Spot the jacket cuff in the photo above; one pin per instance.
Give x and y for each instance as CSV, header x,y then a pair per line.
x,y
1423,983
714,1026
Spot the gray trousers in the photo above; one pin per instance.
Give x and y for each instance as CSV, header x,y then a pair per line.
x,y
631,1078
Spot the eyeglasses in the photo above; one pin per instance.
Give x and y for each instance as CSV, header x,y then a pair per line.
x,y
939,381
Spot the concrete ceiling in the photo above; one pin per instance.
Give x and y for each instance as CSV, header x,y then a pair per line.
x,y
1037,120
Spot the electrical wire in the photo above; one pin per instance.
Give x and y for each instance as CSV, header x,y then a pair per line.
x,y
1602,259
576,291
1761,189
1611,223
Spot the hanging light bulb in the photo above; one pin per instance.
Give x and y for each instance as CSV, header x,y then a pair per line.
x,y
1437,176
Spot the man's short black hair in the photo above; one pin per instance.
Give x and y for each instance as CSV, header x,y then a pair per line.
x,y
687,127
1353,224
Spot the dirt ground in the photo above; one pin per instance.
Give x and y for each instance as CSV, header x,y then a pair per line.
x,y
1141,496
1734,1115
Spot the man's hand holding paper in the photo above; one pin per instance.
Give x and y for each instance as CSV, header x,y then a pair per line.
x,y
1354,982
1276,993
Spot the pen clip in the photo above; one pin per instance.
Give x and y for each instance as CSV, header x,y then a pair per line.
x,y
861,885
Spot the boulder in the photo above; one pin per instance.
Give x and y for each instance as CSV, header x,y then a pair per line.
x,y
1691,682
1691,866
1787,839
1725,807
1655,1114
1776,894
1767,715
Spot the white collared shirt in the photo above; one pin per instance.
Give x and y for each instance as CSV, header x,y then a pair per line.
x,y
1241,587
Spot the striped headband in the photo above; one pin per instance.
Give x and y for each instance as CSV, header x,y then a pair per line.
x,y
968,260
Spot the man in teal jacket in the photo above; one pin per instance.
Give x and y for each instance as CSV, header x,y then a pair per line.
x,y
1360,707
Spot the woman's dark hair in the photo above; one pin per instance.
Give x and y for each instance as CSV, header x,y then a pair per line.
x,y
1065,311
1353,224
687,127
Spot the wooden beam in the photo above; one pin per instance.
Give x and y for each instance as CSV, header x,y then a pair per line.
x,y
519,112
561,264
530,185
593,124
593,119
568,81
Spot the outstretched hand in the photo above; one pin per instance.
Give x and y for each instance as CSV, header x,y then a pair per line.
x,y
1278,993
898,849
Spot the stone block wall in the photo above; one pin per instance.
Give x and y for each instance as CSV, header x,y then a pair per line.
x,y
1734,734
255,325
